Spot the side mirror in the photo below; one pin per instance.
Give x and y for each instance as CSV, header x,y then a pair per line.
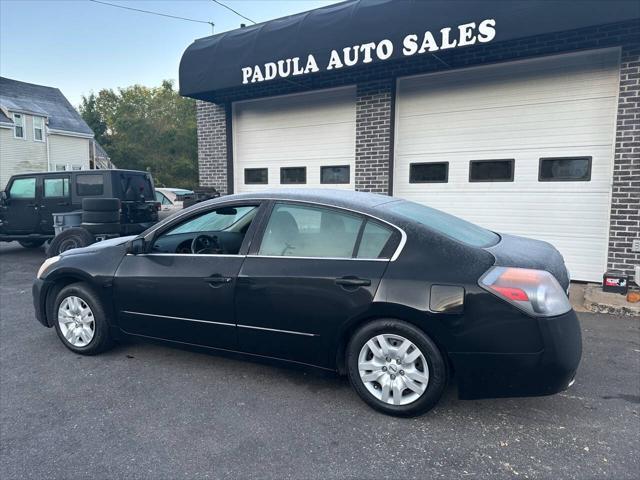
x,y
3,196
137,246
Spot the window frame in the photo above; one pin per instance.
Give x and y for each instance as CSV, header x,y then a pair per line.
x,y
392,249
266,169
446,172
512,161
41,128
282,169
575,157
23,125
348,167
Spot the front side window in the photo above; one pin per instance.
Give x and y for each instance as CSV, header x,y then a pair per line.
x,y
216,232
89,185
336,174
18,125
491,170
308,231
56,187
162,199
293,175
23,188
38,129
565,169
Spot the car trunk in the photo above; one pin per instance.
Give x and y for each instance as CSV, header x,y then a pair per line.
x,y
514,251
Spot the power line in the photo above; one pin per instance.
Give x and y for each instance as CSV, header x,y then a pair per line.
x,y
153,13
234,11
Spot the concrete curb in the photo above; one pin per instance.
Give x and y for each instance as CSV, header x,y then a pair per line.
x,y
597,301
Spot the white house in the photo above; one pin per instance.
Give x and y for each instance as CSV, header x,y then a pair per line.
x,y
41,131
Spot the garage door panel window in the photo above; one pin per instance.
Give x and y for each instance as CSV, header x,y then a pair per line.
x,y
293,175
491,170
87,185
335,174
432,172
565,169
256,176
302,231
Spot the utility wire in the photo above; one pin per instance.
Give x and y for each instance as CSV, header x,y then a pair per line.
x,y
234,11
152,13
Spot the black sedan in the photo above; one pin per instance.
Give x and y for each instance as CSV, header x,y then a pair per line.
x,y
400,297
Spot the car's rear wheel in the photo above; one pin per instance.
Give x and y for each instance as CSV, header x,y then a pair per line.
x,y
396,368
31,243
80,320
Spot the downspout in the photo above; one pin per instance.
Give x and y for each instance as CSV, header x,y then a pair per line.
x,y
46,128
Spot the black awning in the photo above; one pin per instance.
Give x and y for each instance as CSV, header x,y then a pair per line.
x,y
216,63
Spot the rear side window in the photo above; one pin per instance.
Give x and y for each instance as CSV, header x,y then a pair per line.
x,y
89,185
23,188
374,238
491,170
56,187
453,227
309,231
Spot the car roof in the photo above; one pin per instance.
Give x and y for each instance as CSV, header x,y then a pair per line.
x,y
349,199
94,171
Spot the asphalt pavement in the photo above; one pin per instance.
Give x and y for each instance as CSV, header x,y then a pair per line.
x,y
152,411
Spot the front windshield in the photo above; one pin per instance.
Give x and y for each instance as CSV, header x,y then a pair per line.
x,y
449,225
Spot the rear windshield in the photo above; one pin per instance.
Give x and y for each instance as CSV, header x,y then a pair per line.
x,y
449,225
134,186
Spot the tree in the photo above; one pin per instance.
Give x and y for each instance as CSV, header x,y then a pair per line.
x,y
151,129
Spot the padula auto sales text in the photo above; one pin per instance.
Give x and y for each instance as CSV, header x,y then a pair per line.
x,y
412,44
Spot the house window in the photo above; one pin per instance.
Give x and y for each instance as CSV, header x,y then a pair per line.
x,y
89,185
18,125
293,175
432,172
565,169
256,176
335,174
60,167
491,170
38,129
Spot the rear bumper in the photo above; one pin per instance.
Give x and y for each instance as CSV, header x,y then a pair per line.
x,y
487,375
39,292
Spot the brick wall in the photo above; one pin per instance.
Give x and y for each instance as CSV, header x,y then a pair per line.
x,y
625,201
373,135
212,145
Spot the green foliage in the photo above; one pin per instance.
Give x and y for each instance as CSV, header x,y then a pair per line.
x,y
152,129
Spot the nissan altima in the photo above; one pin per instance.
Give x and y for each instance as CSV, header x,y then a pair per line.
x,y
400,297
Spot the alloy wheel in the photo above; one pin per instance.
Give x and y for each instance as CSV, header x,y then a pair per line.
x,y
393,369
76,321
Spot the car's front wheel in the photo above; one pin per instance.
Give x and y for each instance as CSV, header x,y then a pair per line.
x,y
396,368
80,320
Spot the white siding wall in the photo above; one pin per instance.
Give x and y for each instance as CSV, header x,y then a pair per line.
x,y
69,151
549,107
19,155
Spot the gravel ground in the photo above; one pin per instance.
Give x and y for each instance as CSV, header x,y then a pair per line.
x,y
152,411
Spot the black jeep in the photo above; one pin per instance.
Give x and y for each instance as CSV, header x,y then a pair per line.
x,y
30,200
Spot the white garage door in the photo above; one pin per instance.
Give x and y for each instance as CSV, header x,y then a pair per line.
x,y
561,109
303,140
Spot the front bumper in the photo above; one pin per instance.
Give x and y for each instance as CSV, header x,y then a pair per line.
x,y
39,292
489,375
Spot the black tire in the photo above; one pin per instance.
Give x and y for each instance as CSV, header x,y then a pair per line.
x,y
75,237
101,217
100,204
31,243
101,339
102,228
438,374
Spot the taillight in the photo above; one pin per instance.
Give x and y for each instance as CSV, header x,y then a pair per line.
x,y
537,292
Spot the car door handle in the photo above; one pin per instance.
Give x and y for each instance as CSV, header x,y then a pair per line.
x,y
353,282
215,280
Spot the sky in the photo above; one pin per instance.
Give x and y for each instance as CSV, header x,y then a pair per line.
x,y
81,46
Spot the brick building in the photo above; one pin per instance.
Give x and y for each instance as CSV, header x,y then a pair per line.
x,y
523,117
